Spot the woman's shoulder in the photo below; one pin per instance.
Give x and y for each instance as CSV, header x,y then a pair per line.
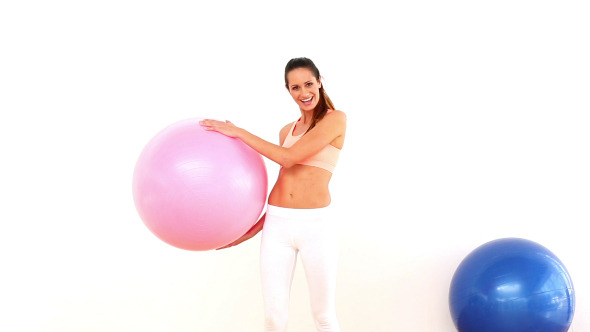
x,y
336,115
287,128
285,131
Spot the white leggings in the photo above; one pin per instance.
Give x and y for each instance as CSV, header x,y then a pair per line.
x,y
311,233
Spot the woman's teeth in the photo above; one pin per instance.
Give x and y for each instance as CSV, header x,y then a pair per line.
x,y
307,100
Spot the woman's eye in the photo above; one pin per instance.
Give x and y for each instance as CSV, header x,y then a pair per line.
x,y
309,84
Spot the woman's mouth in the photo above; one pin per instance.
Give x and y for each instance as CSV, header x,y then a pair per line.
x,y
307,101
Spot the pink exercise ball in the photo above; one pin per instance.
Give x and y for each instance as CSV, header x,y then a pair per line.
x,y
197,189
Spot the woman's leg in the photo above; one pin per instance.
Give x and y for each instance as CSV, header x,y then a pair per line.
x,y
319,254
277,264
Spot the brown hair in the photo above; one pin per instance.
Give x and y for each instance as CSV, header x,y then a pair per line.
x,y
325,103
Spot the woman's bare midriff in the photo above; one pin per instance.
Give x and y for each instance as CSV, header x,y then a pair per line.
x,y
301,187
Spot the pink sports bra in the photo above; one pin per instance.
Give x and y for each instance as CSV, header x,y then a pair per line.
x,y
326,158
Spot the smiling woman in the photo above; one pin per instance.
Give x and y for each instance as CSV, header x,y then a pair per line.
x,y
297,219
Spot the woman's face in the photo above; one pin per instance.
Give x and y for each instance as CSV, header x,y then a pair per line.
x,y
304,88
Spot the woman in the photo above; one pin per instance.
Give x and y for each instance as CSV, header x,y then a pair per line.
x,y
296,220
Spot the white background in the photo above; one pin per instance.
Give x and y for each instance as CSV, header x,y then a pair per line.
x,y
467,122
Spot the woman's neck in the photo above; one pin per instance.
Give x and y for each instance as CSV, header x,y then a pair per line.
x,y
306,117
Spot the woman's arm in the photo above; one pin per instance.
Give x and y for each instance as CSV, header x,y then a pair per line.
x,y
332,126
249,234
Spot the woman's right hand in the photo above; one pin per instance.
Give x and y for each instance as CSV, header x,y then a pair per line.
x,y
249,234
236,242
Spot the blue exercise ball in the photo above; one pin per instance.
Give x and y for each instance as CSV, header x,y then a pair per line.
x,y
511,285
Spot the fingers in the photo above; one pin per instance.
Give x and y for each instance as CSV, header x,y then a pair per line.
x,y
215,123
233,244
209,122
225,247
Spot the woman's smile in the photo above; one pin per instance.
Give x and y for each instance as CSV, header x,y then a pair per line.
x,y
307,102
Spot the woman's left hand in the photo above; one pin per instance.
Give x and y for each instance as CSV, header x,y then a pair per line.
x,y
227,128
